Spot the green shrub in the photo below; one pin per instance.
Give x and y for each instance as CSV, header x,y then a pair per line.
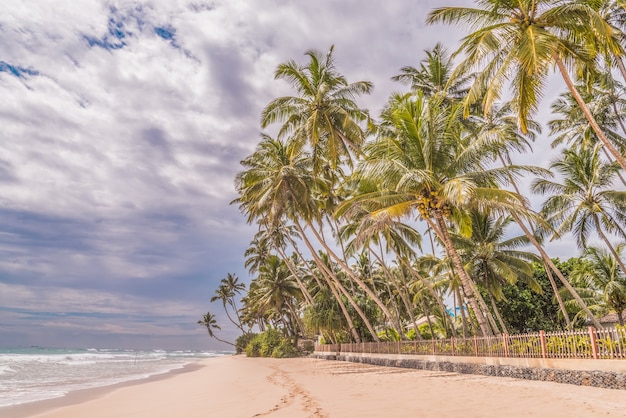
x,y
270,339
270,343
243,340
253,349
285,349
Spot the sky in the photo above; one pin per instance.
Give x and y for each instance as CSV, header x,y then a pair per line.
x,y
122,127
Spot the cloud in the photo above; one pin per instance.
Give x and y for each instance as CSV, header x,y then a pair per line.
x,y
123,125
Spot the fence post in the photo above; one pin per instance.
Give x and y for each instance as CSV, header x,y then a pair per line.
x,y
594,342
544,350
505,340
452,344
476,345
433,340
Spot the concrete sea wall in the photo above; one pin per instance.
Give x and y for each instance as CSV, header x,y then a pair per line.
x,y
598,373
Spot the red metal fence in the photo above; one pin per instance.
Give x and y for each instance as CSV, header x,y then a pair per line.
x,y
608,343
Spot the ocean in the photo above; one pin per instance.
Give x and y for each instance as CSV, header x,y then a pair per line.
x,y
35,373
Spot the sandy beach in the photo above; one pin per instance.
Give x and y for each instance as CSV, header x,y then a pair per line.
x,y
236,386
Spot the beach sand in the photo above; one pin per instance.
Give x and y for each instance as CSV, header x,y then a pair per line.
x,y
236,386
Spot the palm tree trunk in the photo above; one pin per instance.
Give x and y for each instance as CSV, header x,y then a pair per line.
x,y
547,260
333,281
328,278
406,297
430,324
483,305
292,270
496,311
558,296
462,310
610,159
592,121
440,228
531,237
231,319
297,320
428,285
620,65
400,287
353,276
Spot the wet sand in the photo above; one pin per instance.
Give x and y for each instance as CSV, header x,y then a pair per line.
x,y
236,386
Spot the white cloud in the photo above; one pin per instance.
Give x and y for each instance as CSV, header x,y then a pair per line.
x,y
117,164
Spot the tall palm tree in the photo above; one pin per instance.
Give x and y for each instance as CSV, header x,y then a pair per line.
x,y
229,288
278,185
518,41
208,320
323,114
585,201
419,163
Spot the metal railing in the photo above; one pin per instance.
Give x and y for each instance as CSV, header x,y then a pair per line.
x,y
608,343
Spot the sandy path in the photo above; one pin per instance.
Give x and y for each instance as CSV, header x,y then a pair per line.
x,y
243,387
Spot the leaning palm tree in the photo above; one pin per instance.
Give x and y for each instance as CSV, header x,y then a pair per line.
x,y
208,320
229,288
323,114
277,187
420,164
518,41
585,202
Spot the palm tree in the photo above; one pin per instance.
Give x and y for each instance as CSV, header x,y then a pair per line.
x,y
277,289
433,75
324,316
278,185
323,115
518,41
226,292
602,272
419,163
573,128
585,201
614,14
211,325
258,251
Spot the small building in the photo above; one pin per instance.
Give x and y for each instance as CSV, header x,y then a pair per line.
x,y
611,320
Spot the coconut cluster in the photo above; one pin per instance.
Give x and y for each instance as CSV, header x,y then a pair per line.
x,y
429,202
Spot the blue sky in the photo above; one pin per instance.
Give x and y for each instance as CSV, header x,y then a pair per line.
x,y
123,124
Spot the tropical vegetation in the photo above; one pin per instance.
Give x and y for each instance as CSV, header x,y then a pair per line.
x,y
418,222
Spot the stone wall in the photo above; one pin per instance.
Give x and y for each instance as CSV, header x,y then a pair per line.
x,y
602,379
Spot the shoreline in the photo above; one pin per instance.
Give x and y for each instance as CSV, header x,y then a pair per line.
x,y
238,386
77,396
